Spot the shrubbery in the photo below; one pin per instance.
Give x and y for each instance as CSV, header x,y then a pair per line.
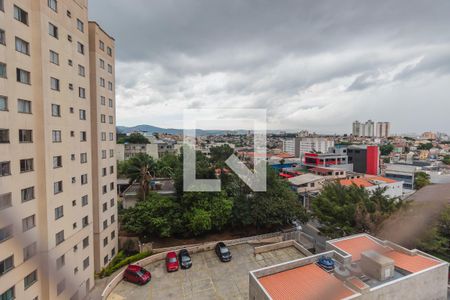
x,y
120,261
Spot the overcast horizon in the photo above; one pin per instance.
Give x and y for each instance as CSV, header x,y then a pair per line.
x,y
314,66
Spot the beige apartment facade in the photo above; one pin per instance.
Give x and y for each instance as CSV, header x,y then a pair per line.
x,y
49,202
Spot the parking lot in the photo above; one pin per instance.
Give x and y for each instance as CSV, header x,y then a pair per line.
x,y
208,278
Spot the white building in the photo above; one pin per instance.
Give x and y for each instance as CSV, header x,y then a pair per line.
x,y
383,129
301,145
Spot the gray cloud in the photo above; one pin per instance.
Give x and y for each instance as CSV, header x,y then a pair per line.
x,y
302,60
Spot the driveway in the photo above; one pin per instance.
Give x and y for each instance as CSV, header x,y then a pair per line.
x,y
207,279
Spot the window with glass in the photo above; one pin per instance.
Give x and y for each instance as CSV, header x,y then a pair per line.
x,y
54,57
54,84
29,251
102,64
3,70
27,194
5,168
84,200
26,165
80,48
81,71
24,106
4,136
3,103
6,265
5,201
102,100
85,221
59,237
28,223
2,37
53,4
82,114
83,158
30,279
84,179
22,46
56,136
80,25
59,212
25,136
60,287
20,15
52,30
109,51
56,110
22,76
57,162
82,93
6,233
57,187
110,69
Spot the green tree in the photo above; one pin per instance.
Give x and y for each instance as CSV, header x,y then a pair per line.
x,y
134,138
220,154
426,146
421,180
141,168
386,149
345,210
437,240
199,221
446,160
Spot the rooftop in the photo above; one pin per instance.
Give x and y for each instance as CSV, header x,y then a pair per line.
x,y
367,181
304,179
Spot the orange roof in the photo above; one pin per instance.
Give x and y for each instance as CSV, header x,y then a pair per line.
x,y
356,245
379,178
361,182
410,263
307,282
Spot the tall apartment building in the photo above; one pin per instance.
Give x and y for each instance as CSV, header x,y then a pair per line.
x,y
300,145
360,129
51,150
383,129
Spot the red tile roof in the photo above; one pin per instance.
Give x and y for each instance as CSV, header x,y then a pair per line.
x,y
356,245
307,282
361,182
410,263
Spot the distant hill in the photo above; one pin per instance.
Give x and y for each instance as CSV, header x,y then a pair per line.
x,y
153,129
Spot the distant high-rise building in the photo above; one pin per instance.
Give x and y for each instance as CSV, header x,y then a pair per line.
x,y
383,129
363,129
300,145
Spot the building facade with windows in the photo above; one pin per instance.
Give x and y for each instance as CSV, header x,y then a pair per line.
x,y
49,145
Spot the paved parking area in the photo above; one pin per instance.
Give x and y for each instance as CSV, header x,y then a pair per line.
x,y
208,278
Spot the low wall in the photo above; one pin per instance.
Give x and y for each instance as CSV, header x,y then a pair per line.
x,y
161,253
281,245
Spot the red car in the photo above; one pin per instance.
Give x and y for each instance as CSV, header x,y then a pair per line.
x,y
172,262
137,274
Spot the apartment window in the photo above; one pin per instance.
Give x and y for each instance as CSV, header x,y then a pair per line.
x,y
60,262
104,172
54,57
2,70
24,106
102,100
82,114
104,189
53,4
83,158
83,136
69,38
70,62
109,51
6,233
102,46
85,242
111,186
29,251
6,265
54,84
111,120
56,136
84,200
74,203
28,223
74,180
110,102
59,212
105,260
113,235
8,295
113,219
56,110
84,179
82,92
26,165
30,279
59,237
105,242
53,30
103,154
103,136
80,48
80,25
22,76
57,187
5,168
85,263
74,225
105,206
110,85
111,152
3,103
102,64
22,46
85,221
60,287
110,69
2,5
2,37
57,162
112,202
103,118
4,136
113,252
5,201
20,15
25,136
102,82
105,224
69,14
111,136
81,71
27,194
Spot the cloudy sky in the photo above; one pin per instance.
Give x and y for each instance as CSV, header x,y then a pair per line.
x,y
316,65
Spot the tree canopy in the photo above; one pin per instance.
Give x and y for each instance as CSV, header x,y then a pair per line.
x,y
343,210
134,138
437,240
421,180
386,149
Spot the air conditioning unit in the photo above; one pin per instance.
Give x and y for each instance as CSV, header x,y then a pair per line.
x,y
377,265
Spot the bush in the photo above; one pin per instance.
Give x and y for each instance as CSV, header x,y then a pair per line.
x,y
120,261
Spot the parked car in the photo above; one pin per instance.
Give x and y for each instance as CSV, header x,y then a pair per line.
x,y
185,259
223,252
137,274
172,262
